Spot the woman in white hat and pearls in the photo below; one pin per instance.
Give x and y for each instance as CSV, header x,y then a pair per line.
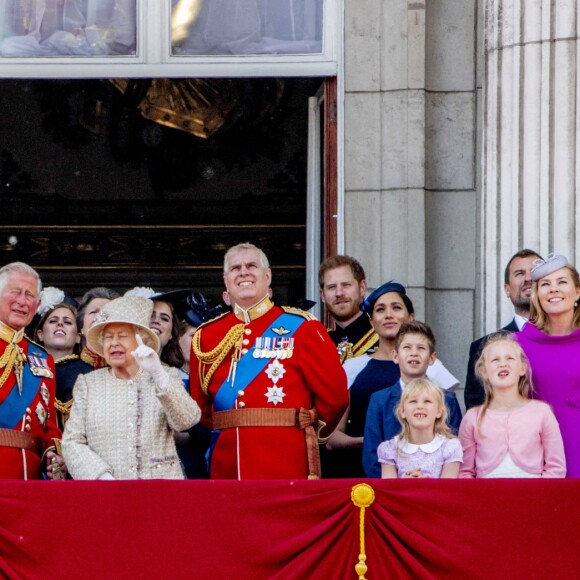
x,y
123,418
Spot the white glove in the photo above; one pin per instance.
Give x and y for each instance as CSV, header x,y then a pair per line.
x,y
148,360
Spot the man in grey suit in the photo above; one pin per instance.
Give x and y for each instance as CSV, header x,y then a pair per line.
x,y
518,288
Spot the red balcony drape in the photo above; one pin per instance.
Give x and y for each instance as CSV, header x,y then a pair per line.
x,y
289,529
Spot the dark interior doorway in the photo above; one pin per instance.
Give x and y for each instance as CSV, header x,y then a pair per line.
x,y
147,182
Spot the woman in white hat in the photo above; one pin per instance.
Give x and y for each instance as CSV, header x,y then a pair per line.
x,y
122,421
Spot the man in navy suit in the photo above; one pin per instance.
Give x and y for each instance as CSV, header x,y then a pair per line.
x,y
518,288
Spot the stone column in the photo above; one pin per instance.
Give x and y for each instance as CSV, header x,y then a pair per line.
x,y
410,156
531,134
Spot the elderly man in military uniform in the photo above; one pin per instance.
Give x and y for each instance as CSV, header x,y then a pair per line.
x,y
28,429
343,286
266,378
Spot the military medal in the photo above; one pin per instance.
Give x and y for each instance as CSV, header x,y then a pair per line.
x,y
41,413
344,349
267,352
39,367
275,395
275,371
290,348
258,348
44,393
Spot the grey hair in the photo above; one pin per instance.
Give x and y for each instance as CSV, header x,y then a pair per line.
x,y
19,267
246,246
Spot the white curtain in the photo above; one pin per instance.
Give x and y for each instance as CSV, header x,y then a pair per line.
x,y
32,28
254,27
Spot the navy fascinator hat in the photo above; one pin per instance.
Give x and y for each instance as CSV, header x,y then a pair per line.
x,y
198,310
368,303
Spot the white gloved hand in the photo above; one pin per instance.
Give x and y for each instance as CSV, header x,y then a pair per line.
x,y
149,361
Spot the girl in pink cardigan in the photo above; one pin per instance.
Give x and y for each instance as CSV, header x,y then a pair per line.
x,y
509,435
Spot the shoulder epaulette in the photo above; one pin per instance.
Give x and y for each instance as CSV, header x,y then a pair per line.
x,y
36,344
299,312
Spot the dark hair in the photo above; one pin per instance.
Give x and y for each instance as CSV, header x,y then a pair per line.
x,y
48,313
171,353
415,327
525,253
338,261
89,296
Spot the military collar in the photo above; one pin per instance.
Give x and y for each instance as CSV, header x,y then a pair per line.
x,y
92,358
10,335
254,312
65,358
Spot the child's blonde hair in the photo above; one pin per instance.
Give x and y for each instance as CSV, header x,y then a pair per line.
x,y
525,386
413,388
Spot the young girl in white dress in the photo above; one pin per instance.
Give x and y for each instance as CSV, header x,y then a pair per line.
x,y
425,447
510,435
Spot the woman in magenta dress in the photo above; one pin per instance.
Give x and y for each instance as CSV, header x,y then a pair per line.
x,y
551,341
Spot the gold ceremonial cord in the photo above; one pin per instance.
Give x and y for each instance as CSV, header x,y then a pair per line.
x,y
216,356
12,354
63,409
362,496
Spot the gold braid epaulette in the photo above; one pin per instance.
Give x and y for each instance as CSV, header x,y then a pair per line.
x,y
216,356
299,312
365,343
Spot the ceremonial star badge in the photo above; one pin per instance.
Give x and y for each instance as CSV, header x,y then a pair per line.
x,y
275,371
41,413
275,395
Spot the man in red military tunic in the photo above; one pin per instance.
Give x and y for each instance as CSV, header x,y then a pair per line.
x,y
265,378
27,387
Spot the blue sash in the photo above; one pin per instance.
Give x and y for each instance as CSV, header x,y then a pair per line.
x,y
13,408
249,367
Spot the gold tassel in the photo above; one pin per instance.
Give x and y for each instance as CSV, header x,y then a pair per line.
x,y
362,496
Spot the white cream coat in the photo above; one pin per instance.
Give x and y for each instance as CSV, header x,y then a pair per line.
x,y
125,428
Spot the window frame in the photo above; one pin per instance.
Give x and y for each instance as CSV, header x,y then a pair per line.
x,y
154,58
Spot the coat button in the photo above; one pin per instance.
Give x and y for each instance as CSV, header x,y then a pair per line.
x,y
248,331
241,405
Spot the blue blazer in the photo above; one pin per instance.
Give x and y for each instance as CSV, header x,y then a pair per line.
x,y
382,424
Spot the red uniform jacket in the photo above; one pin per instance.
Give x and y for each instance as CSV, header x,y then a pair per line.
x,y
37,418
313,376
